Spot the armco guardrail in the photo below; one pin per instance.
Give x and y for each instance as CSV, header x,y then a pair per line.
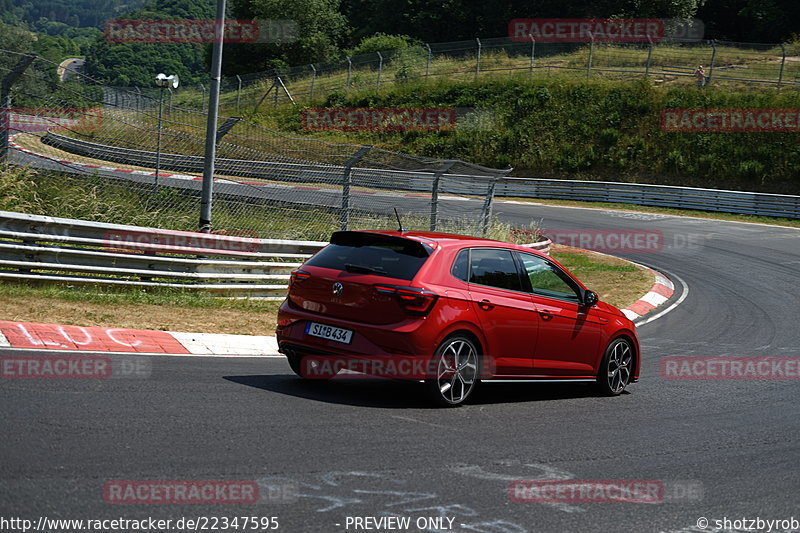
x,y
41,248
271,170
749,203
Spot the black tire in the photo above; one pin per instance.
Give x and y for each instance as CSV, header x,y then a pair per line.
x,y
457,366
295,363
616,369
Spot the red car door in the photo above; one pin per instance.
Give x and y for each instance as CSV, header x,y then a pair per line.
x,y
569,332
506,312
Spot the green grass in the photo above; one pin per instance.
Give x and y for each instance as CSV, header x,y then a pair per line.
x,y
574,129
730,62
166,296
578,262
93,198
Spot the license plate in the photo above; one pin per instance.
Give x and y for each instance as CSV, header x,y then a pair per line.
x,y
331,333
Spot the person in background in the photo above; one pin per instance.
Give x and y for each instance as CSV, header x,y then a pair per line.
x,y
700,74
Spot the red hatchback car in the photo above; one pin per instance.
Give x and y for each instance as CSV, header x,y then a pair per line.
x,y
451,311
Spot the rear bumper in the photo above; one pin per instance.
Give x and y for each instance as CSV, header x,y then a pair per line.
x,y
401,350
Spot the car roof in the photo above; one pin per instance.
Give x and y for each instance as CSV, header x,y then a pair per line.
x,y
448,240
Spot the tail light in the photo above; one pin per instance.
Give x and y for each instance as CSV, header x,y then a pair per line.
x,y
296,276
414,300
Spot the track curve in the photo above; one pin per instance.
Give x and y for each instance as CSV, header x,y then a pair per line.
x,y
373,449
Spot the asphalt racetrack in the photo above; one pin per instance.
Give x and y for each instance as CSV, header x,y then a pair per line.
x,y
722,449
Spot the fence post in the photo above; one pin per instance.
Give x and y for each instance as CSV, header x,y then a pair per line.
x,y
347,180
435,192
428,62
203,102
533,50
649,56
349,70
5,103
139,105
210,152
713,58
158,134
478,59
783,62
276,77
591,55
238,92
486,211
169,109
380,69
313,80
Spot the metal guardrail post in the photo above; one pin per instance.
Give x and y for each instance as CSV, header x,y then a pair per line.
x,y
380,69
486,211
649,55
428,61
783,62
313,80
349,71
210,155
713,58
347,181
478,59
435,192
5,103
533,51
591,55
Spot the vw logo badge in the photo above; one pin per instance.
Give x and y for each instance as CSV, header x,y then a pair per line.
x,y
337,289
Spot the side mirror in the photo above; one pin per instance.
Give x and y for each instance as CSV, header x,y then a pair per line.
x,y
590,298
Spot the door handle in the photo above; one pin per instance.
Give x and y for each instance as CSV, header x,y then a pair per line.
x,y
546,315
486,305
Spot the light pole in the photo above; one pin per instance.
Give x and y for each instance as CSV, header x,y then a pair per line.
x,y
162,82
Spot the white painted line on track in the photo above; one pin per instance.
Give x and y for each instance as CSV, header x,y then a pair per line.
x,y
684,294
153,354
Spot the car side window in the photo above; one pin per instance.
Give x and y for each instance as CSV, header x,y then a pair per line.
x,y
495,268
548,280
461,265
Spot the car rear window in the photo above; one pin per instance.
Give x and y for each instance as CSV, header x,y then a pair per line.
x,y
372,253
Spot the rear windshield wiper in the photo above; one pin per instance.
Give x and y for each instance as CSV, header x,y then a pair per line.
x,y
359,269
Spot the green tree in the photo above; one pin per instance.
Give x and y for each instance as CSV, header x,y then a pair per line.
x,y
320,30
453,20
136,64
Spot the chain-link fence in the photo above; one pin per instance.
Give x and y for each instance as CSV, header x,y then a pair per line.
x,y
137,152
664,62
